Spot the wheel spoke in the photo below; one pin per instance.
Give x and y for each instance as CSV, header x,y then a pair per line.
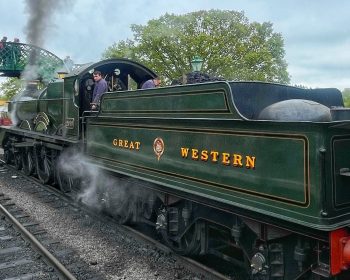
x,y
27,162
65,182
44,165
18,159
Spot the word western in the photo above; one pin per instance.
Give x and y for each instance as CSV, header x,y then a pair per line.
x,y
236,160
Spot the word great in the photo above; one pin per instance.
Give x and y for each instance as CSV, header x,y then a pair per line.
x,y
127,144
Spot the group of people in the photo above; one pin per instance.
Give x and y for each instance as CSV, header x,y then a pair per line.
x,y
4,40
9,54
101,87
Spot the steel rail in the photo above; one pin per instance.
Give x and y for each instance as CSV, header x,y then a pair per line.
x,y
55,263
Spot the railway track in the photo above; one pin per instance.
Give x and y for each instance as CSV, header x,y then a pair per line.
x,y
183,266
17,259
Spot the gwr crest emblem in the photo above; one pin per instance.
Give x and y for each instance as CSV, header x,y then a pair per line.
x,y
158,147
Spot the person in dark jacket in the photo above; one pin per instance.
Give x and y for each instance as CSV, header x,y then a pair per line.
x,y
100,87
152,83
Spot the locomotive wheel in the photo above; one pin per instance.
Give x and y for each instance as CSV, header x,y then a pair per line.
x,y
123,210
18,160
188,244
44,165
28,164
65,182
118,202
125,217
8,156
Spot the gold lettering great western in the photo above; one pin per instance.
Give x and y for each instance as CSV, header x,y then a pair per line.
x,y
126,144
228,159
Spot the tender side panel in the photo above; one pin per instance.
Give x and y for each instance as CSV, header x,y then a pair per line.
x,y
226,164
212,100
187,103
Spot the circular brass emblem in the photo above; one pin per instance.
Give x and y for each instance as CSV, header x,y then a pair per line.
x,y
158,147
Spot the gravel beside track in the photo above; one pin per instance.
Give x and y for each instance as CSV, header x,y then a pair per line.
x,y
106,249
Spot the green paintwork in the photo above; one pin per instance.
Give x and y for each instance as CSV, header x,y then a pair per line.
x,y
50,102
341,160
210,100
295,174
71,109
286,181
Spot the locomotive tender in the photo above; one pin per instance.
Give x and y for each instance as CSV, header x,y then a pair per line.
x,y
259,167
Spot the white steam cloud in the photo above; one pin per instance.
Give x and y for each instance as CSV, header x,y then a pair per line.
x,y
119,197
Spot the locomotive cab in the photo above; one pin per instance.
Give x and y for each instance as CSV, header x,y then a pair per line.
x,y
120,74
57,110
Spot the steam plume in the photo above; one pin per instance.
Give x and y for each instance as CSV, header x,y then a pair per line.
x,y
40,23
41,12
104,192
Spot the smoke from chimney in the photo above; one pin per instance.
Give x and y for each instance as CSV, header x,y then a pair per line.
x,y
41,14
40,24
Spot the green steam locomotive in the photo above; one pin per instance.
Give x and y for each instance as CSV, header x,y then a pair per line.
x,y
255,173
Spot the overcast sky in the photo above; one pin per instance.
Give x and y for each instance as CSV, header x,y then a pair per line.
x,y
316,33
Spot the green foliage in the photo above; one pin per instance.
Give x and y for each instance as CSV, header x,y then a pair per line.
x,y
230,45
10,88
346,97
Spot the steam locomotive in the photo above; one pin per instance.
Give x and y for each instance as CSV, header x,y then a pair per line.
x,y
255,173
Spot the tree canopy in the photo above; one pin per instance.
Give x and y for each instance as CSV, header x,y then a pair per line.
x,y
230,45
346,97
10,87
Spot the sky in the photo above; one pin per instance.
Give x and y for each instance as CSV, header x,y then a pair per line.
x,y
316,33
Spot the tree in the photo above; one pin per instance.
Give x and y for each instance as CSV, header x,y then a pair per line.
x,y
10,87
346,97
230,45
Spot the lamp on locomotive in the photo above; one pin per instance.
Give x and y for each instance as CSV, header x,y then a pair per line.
x,y
196,63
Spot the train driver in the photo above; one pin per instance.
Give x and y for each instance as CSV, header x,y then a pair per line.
x,y
99,88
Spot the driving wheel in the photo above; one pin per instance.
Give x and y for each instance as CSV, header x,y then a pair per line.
x,y
18,159
28,163
44,164
65,182
8,155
